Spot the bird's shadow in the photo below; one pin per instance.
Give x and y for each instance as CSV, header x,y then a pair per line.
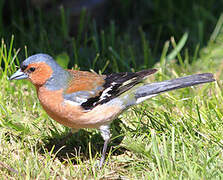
x,y
78,144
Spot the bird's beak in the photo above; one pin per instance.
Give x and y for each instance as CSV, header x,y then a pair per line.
x,y
18,75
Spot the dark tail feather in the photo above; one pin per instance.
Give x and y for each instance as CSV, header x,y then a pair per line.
x,y
149,90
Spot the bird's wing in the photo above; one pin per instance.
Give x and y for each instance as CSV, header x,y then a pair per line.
x,y
89,89
83,85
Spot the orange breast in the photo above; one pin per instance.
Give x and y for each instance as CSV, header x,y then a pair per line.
x,y
70,115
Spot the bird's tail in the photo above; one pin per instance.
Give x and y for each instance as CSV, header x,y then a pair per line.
x,y
150,90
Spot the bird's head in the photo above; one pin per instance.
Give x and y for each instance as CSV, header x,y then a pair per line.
x,y
41,69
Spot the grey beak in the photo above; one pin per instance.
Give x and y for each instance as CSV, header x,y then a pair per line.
x,y
18,75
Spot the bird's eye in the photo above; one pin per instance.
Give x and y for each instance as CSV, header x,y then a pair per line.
x,y
32,69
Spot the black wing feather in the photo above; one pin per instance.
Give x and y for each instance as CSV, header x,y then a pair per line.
x,y
116,84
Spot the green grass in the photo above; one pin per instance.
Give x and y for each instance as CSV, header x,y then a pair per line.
x,y
176,135
130,29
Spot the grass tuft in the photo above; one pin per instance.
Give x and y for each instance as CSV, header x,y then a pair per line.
x,y
176,135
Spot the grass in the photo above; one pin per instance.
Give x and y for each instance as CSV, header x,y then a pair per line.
x,y
177,135
130,29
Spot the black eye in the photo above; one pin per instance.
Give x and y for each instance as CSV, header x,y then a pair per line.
x,y
32,69
23,67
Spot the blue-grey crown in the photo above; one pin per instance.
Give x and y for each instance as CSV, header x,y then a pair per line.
x,y
41,58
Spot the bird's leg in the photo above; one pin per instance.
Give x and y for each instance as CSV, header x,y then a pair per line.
x,y
105,133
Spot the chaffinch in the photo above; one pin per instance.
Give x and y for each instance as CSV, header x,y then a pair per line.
x,y
81,99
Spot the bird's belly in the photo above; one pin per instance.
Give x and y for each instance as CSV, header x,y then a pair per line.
x,y
74,116
77,118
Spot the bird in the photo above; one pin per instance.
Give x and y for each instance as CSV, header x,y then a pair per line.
x,y
83,99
